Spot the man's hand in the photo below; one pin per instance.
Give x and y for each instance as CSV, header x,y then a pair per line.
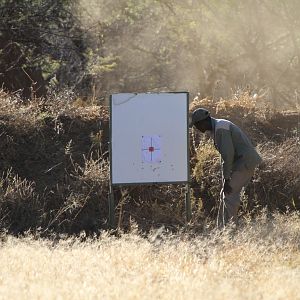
x,y
227,188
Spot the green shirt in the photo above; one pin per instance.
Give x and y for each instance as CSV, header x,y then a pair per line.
x,y
236,149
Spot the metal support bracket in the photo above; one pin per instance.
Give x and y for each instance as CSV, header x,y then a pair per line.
x,y
111,209
188,207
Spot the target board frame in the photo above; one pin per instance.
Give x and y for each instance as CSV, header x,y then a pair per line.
x,y
159,117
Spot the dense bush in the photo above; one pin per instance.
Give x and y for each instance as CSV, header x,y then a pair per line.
x,y
40,40
100,46
55,168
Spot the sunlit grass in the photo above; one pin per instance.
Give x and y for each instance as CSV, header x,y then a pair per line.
x,y
260,260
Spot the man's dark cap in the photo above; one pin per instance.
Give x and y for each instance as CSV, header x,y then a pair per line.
x,y
199,114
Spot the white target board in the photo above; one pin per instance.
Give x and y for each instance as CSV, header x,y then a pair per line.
x,y
149,138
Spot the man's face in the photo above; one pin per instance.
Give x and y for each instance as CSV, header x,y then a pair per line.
x,y
201,126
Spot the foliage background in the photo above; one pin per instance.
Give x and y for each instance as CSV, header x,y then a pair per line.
x,y
98,47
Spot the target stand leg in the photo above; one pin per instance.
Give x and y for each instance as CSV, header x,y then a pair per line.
x,y
111,209
188,208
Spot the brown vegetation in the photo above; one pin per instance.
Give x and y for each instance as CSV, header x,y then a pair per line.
x,y
55,169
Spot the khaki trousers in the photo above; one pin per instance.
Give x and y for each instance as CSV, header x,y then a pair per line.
x,y
229,203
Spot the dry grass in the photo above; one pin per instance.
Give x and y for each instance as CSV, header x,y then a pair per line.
x,y
34,114
54,167
260,260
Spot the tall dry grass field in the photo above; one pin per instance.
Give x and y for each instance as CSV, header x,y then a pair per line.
x,y
260,260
